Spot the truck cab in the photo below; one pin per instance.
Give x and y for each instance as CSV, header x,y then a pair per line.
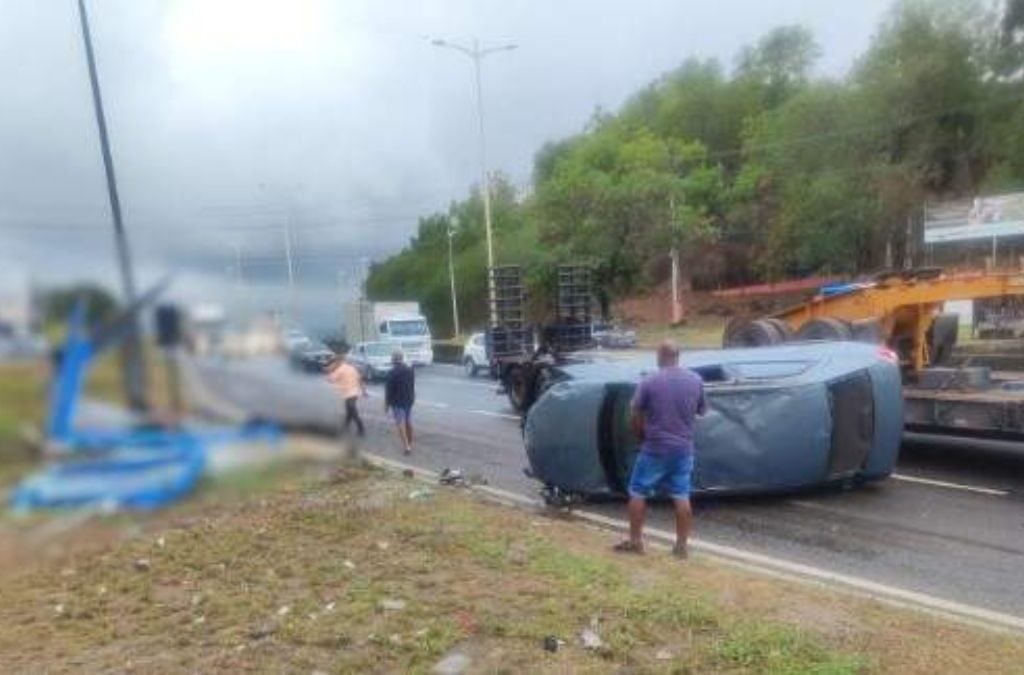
x,y
411,334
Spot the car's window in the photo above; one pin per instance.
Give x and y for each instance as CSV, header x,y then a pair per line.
x,y
379,349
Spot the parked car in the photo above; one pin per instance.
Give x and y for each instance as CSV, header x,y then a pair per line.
x,y
780,419
372,359
610,336
311,357
474,355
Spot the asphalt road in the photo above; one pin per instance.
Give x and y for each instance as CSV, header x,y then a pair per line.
x,y
950,523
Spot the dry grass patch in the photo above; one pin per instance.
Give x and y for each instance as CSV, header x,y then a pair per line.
x,y
351,575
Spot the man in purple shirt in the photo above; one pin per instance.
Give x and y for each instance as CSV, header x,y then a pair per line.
x,y
665,408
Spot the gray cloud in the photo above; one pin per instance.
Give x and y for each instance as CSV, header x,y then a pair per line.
x,y
229,118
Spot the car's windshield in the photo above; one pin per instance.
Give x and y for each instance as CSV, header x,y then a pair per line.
x,y
408,328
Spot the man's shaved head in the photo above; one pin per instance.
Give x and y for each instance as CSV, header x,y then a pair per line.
x,y
668,354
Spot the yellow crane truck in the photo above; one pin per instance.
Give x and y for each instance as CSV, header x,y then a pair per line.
x,y
903,313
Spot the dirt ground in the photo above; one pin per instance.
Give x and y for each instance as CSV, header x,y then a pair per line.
x,y
352,570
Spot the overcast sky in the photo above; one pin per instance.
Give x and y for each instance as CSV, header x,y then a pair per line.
x,y
229,118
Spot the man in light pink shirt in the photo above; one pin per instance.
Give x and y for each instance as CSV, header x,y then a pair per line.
x,y
349,383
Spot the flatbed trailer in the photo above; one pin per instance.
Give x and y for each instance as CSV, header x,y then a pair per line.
x,y
903,313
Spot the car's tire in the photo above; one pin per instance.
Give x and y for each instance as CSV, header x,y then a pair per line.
x,y
470,366
942,337
825,328
757,333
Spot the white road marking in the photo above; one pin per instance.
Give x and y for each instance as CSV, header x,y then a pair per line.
x,y
504,416
772,566
952,486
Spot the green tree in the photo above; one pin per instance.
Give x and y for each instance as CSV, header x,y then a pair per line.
x,y
58,303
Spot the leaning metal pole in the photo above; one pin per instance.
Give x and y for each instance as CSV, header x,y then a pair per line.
x,y
133,371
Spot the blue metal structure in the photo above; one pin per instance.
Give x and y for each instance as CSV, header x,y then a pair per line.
x,y
139,467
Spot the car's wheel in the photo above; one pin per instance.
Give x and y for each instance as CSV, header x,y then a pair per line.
x,y
470,366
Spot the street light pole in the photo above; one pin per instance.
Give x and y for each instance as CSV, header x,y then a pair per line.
x,y
477,55
134,373
451,278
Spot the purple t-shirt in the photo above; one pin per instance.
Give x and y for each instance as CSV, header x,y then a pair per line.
x,y
670,400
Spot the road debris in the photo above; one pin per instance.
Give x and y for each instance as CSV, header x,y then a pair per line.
x,y
454,663
348,565
452,477
264,630
552,643
383,545
329,607
589,637
408,473
392,605
284,610
142,565
664,655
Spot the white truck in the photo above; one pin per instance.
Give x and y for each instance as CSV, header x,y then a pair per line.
x,y
401,324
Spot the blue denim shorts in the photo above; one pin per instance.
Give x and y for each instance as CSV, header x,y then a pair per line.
x,y
661,475
400,414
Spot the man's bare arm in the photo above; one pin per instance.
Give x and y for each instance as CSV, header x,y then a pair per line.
x,y
636,423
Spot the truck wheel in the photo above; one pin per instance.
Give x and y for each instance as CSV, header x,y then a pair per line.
x,y
942,337
515,384
786,333
824,328
867,330
470,367
757,333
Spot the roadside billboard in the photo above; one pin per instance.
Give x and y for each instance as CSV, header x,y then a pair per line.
x,y
974,218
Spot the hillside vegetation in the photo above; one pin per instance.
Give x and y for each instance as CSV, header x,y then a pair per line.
x,y
757,172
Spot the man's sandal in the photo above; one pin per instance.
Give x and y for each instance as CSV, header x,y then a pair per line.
x,y
628,547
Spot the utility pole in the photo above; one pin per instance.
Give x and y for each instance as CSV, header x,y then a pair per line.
x,y
674,253
291,268
134,373
476,54
451,278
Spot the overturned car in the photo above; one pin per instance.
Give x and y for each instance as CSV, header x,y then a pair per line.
x,y
779,419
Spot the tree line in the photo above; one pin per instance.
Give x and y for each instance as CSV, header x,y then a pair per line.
x,y
754,173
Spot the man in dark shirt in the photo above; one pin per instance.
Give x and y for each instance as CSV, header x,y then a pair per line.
x,y
665,408
399,397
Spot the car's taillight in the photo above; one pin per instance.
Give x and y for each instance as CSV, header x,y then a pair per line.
x,y
889,355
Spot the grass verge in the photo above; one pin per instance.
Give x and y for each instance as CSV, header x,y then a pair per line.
x,y
699,332
352,574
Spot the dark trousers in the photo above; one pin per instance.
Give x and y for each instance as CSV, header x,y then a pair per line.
x,y
352,415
